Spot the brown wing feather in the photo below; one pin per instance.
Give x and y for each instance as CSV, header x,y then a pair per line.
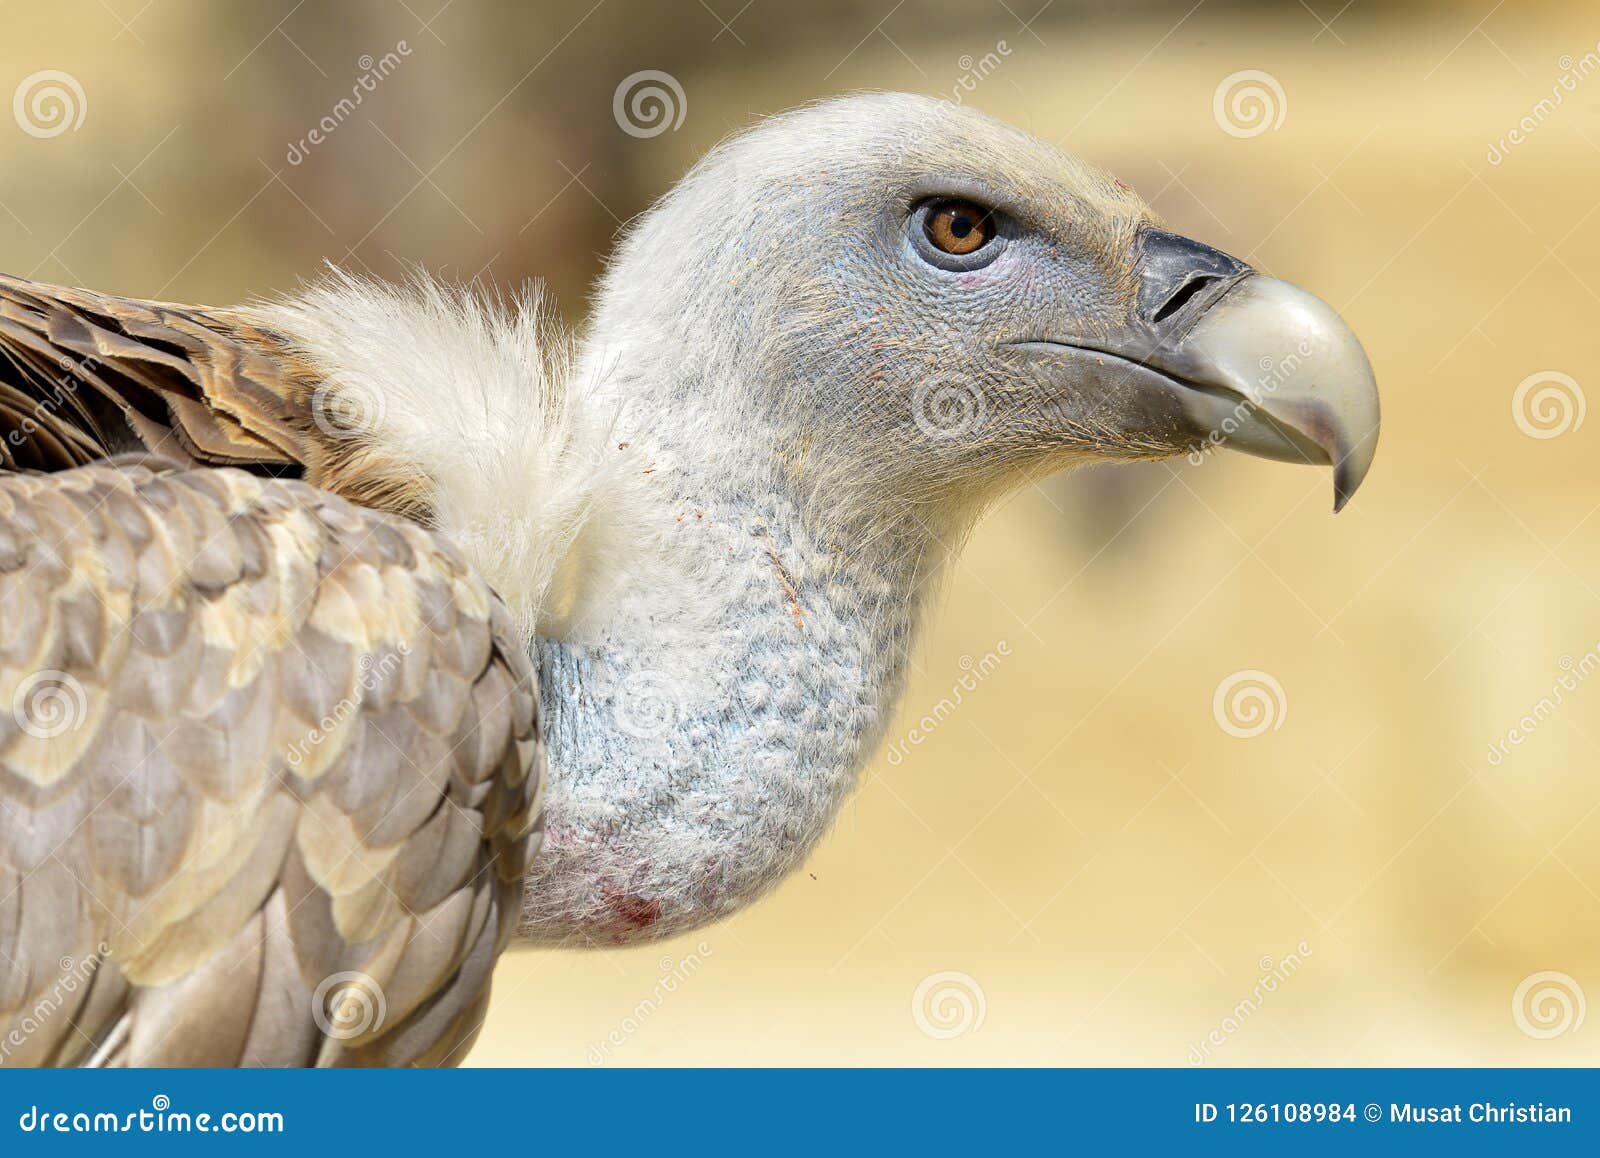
x,y
103,374
269,776
86,375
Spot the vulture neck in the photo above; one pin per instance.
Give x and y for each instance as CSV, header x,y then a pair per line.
x,y
704,730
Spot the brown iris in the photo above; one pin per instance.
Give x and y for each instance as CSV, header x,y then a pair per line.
x,y
959,227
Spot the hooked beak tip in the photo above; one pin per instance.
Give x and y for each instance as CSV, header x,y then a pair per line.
x,y
1303,370
1350,470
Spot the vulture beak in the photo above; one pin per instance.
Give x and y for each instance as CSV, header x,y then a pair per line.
x,y
1271,369
1218,355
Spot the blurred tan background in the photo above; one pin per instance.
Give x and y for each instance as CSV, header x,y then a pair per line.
x,y
1082,862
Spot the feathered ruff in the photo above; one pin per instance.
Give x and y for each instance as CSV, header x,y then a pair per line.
x,y
468,399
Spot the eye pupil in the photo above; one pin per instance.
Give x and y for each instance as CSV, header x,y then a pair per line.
x,y
958,227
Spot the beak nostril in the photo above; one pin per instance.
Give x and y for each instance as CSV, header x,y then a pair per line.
x,y
1180,277
1182,296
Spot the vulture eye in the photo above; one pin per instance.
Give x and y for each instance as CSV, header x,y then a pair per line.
x,y
958,227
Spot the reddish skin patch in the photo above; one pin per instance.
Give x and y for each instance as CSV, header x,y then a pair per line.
x,y
632,910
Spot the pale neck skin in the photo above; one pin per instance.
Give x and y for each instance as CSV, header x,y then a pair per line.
x,y
699,746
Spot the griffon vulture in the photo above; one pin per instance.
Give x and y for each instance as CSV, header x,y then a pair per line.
x,y
345,639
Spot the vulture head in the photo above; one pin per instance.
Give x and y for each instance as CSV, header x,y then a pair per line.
x,y
839,339
901,300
